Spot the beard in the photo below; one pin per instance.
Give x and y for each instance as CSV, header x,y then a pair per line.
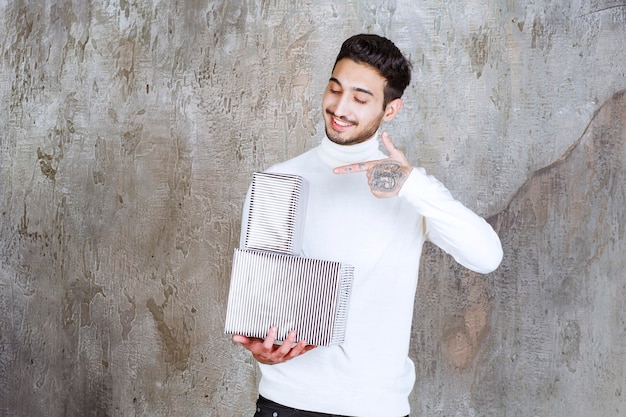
x,y
358,136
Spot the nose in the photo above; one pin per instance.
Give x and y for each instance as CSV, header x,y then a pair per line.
x,y
342,106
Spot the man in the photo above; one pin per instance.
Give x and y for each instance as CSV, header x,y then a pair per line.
x,y
376,217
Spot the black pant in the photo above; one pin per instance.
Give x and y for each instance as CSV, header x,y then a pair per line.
x,y
268,408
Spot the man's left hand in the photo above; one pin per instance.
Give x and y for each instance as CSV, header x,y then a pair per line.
x,y
385,176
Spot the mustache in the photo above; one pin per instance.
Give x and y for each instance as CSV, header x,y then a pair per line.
x,y
344,118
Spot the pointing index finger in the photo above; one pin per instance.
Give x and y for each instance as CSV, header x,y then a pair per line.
x,y
357,167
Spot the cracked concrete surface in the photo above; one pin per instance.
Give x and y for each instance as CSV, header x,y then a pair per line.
x,y
129,134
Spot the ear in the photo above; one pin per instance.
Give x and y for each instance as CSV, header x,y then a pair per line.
x,y
392,109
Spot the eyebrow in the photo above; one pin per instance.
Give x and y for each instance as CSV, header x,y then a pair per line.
x,y
359,89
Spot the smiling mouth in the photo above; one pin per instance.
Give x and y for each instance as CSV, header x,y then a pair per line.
x,y
340,122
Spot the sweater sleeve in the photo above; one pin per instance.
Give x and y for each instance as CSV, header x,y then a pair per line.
x,y
468,238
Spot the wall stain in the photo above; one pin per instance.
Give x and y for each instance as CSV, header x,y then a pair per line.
x,y
519,23
179,191
131,138
124,54
540,36
19,56
177,340
60,136
45,164
478,51
79,293
127,316
570,344
466,331
100,165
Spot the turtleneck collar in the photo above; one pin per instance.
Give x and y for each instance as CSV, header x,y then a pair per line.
x,y
335,155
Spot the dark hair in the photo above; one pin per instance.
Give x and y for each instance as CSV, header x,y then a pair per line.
x,y
384,56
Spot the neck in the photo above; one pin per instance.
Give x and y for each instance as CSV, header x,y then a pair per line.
x,y
335,155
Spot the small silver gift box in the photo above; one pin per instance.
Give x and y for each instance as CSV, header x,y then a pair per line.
x,y
275,220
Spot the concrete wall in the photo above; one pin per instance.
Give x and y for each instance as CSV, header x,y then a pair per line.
x,y
129,132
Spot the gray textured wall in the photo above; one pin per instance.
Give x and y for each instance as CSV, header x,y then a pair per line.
x,y
129,131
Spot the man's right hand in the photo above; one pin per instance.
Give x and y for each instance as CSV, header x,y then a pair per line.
x,y
266,352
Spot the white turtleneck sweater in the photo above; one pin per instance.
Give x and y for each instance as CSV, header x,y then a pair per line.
x,y
370,374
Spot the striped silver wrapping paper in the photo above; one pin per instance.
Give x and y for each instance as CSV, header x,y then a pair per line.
x,y
308,295
271,285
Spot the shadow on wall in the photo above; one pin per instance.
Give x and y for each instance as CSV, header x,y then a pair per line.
x,y
541,328
581,195
561,286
